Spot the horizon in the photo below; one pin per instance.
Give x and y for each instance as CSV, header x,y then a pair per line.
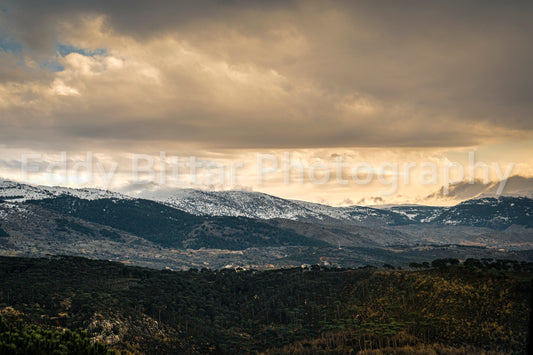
x,y
162,194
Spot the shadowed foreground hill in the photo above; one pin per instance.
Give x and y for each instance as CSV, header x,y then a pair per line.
x,y
476,307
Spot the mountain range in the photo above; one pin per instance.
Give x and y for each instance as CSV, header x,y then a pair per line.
x,y
191,228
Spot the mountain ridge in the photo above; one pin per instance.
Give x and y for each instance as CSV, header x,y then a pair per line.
x,y
257,205
100,224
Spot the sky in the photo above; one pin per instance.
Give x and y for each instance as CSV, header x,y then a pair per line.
x,y
339,102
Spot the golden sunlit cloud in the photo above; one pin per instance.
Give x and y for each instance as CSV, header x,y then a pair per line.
x,y
375,83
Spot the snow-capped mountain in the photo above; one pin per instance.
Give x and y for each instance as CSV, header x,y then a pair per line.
x,y
417,213
263,206
36,220
496,213
17,192
358,214
491,212
235,203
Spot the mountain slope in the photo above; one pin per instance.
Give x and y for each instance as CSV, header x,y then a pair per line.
x,y
493,213
263,206
477,213
101,230
170,227
238,203
496,213
417,213
17,192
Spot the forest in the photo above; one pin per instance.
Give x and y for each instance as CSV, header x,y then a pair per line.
x,y
64,304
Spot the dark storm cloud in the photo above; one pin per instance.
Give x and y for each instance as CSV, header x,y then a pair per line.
x,y
277,73
33,22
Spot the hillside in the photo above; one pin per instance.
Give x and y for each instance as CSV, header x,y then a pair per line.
x,y
36,221
494,212
497,213
479,307
170,227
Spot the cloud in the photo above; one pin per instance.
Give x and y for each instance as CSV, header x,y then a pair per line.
x,y
257,74
513,186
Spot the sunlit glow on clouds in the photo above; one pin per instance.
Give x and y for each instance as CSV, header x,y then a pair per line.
x,y
226,82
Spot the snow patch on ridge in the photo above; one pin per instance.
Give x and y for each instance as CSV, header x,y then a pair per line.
x,y
16,192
